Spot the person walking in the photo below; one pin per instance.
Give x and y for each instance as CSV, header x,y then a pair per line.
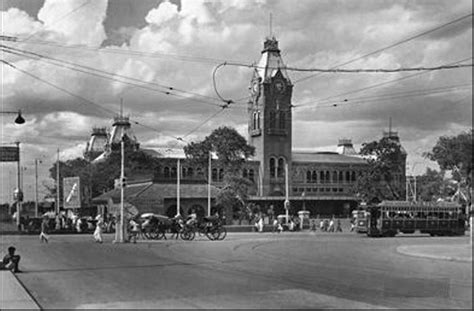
x,y
44,229
98,229
338,226
331,225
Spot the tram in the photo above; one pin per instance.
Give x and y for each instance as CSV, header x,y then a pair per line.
x,y
391,217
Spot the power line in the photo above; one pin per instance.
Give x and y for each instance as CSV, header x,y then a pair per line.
x,y
393,45
380,84
170,90
359,70
84,100
398,95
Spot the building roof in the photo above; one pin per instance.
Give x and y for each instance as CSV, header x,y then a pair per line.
x,y
326,157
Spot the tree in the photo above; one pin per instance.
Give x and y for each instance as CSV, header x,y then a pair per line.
x,y
433,185
386,164
454,153
100,177
232,151
229,146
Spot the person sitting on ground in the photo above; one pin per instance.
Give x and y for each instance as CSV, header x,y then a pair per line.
x,y
11,261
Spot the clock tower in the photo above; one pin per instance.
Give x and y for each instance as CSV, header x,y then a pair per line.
x,y
269,127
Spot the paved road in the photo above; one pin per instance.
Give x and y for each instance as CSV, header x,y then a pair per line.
x,y
291,270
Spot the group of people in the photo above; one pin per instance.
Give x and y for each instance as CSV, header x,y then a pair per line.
x,y
326,225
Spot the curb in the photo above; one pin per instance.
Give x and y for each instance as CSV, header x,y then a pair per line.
x,y
18,297
402,250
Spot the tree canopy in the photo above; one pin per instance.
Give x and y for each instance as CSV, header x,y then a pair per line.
x,y
381,180
229,146
99,177
232,151
454,153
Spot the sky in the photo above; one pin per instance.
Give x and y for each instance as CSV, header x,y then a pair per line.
x,y
158,45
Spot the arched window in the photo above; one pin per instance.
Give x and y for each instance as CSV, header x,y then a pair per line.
x,y
353,176
258,119
251,174
334,177
199,172
221,174
327,177
321,177
183,170
244,173
314,176
280,167
166,172
173,172
272,119
348,177
214,174
272,167
308,176
255,120
341,177
190,172
282,119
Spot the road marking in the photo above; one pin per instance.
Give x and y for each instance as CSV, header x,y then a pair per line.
x,y
281,299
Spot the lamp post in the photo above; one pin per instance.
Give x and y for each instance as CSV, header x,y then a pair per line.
x,y
19,119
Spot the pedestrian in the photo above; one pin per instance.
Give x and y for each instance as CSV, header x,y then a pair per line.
x,y
275,225
44,230
98,229
134,230
331,225
321,225
313,225
338,226
291,225
11,261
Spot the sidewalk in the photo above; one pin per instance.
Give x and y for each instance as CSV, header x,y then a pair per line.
x,y
13,295
452,252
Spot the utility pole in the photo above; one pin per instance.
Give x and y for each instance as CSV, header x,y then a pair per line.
x,y
287,198
57,183
178,181
209,178
36,187
18,203
122,181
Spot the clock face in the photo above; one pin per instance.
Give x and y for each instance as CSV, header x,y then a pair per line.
x,y
280,86
256,87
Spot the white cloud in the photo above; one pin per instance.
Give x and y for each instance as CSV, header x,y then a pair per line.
x,y
71,23
16,22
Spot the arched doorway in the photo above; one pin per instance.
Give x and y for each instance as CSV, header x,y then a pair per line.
x,y
198,209
171,211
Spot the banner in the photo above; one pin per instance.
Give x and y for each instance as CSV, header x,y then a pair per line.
x,y
72,192
9,154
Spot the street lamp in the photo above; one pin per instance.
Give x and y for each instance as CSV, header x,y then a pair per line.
x,y
19,119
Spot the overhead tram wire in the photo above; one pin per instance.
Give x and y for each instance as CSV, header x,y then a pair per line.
x,y
134,53
82,99
392,45
376,85
426,92
108,112
168,90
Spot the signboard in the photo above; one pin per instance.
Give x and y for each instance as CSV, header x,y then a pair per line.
x,y
72,192
9,154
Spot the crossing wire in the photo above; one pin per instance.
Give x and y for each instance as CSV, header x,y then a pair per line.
x,y
72,66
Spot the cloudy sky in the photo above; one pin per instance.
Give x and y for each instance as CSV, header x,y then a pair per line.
x,y
153,44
